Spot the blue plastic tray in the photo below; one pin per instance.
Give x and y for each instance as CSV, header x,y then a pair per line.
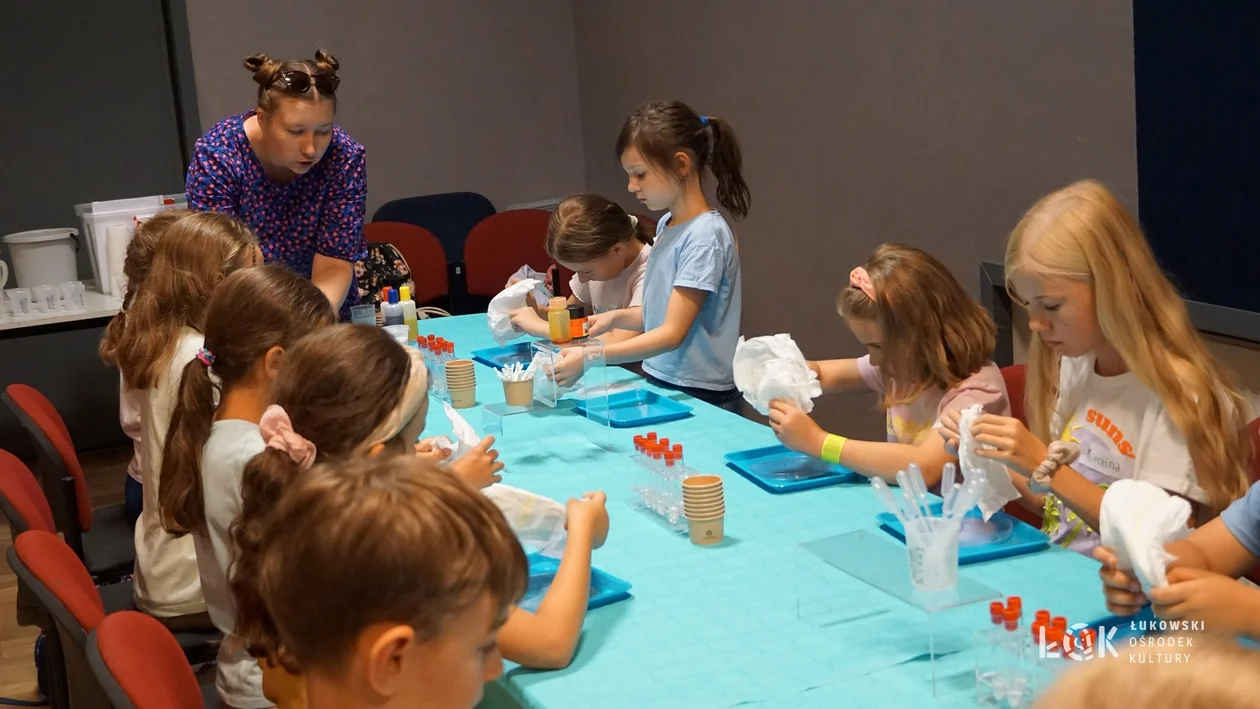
x,y
605,588
778,470
1024,538
500,357
637,407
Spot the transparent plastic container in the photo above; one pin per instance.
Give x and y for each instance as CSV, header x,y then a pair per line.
x,y
98,217
656,475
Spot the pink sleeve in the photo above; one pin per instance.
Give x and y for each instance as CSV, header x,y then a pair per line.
x,y
986,388
870,374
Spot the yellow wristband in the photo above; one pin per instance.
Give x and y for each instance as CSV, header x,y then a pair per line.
x,y
833,446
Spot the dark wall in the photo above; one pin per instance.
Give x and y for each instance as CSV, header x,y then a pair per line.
x,y
1198,111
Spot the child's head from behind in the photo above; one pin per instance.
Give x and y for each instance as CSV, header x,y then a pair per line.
x,y
1080,264
592,236
193,256
383,579
664,146
135,269
252,318
918,324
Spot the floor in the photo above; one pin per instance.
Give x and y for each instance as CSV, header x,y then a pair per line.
x,y
105,473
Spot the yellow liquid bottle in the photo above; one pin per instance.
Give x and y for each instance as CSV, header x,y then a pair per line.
x,y
410,318
558,321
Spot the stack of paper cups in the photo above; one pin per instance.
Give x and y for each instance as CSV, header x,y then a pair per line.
x,y
704,506
461,382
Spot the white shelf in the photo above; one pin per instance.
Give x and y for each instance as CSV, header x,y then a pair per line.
x,y
99,306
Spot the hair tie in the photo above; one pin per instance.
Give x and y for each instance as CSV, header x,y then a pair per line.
x,y
277,431
1058,454
704,120
634,222
205,356
860,279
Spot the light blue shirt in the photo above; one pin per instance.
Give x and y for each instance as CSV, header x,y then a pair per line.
x,y
699,254
1242,519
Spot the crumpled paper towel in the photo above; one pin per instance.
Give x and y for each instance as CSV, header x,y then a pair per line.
x,y
538,521
1137,520
999,489
499,312
772,368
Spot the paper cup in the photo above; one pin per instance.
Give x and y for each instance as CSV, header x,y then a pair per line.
x,y
459,365
703,504
700,483
460,377
705,531
714,494
463,398
703,512
519,393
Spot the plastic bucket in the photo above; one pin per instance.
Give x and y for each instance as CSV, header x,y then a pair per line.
x,y
44,257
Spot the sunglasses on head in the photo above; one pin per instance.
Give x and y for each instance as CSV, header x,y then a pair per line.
x,y
299,82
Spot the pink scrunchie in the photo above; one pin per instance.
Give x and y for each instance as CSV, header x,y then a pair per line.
x,y
860,279
277,431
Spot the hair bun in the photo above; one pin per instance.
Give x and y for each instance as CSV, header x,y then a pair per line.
x,y
260,65
326,62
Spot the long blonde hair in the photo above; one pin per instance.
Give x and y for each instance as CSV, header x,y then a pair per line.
x,y
1083,233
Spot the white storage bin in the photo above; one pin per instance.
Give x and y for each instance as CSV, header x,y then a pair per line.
x,y
98,217
44,256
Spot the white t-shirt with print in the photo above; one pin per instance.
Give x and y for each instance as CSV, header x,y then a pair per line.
x,y
167,583
624,291
1124,432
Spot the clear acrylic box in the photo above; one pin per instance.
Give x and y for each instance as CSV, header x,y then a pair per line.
x,y
591,393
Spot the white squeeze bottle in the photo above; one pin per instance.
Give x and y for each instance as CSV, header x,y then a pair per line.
x,y
409,313
391,309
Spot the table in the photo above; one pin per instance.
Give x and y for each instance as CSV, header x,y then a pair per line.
x,y
57,354
756,621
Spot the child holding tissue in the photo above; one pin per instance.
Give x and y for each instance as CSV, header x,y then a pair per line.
x,y
607,250
1115,368
929,347
348,391
689,322
1202,580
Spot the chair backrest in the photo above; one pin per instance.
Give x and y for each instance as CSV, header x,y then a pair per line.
x,y
1015,377
1253,430
40,419
21,497
501,244
450,217
423,252
140,665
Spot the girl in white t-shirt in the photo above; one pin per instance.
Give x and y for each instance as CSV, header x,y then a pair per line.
x,y
607,250
208,443
160,334
1116,368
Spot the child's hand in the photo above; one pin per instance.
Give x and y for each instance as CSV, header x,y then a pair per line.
x,y
568,368
1013,444
949,430
1222,603
512,281
522,317
1121,589
601,323
480,466
796,429
588,518
431,451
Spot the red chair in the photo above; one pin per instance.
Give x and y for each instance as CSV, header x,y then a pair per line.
x,y
501,244
74,606
1015,377
140,665
26,508
424,256
103,539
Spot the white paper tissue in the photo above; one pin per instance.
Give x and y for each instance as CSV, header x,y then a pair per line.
x,y
1137,520
499,312
999,489
538,521
772,368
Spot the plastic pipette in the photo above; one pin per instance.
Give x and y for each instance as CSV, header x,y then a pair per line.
x,y
889,501
949,485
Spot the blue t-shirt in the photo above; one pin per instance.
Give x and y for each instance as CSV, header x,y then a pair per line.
x,y
699,254
1242,519
320,212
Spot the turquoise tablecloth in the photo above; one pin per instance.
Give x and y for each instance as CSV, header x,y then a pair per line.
x,y
757,621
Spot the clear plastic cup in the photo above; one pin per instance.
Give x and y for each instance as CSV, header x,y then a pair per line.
x,y
72,295
46,299
19,301
933,548
363,314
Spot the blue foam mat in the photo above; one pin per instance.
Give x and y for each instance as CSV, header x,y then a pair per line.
x,y
776,469
605,588
637,407
1024,539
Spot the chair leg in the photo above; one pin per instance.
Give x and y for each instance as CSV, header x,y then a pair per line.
x,y
58,682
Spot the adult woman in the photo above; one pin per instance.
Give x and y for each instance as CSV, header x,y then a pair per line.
x,y
292,175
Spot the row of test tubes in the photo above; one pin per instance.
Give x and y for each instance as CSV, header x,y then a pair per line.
x,y
23,302
437,352
1016,662
657,472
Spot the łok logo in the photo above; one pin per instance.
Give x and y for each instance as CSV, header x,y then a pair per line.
x,y
1078,650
